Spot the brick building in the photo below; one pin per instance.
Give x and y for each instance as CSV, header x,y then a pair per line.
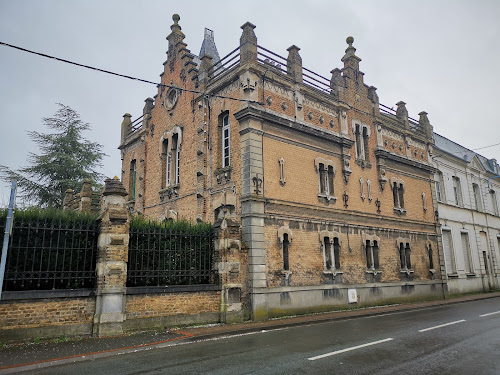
x,y
331,192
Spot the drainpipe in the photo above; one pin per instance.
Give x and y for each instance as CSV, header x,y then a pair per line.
x,y
491,178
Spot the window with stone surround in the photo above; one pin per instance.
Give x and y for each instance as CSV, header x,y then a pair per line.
x,y
361,138
171,144
398,190
494,202
330,246
132,179
439,183
166,164
464,236
326,174
477,197
457,191
449,254
404,250
176,150
372,253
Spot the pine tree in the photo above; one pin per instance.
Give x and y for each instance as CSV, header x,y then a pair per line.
x,y
66,158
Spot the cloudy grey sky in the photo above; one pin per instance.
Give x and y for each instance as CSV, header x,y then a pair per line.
x,y
441,56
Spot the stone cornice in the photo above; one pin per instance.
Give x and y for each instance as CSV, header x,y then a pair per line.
x,y
272,119
401,159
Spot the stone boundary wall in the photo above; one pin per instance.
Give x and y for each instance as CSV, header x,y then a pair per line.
x,y
112,308
51,317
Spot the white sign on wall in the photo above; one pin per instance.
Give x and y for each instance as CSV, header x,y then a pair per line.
x,y
352,295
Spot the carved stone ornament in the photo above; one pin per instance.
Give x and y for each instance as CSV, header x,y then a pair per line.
x,y
321,120
310,116
284,106
269,100
382,179
223,175
346,170
171,98
169,192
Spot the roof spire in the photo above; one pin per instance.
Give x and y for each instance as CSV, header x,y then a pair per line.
x,y
176,35
208,47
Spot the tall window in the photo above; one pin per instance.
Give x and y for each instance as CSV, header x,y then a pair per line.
x,y
494,202
226,144
132,179
466,252
477,197
449,256
457,191
360,145
440,187
326,179
176,150
166,164
372,250
405,255
286,245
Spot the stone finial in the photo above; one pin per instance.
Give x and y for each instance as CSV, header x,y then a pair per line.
x,y
86,188
294,63
248,43
336,82
148,106
68,197
176,35
402,113
126,125
113,186
350,60
372,94
424,124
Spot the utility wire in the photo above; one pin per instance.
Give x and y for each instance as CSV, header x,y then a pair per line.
x,y
123,75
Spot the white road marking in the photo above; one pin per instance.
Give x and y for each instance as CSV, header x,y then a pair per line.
x,y
442,325
349,349
496,312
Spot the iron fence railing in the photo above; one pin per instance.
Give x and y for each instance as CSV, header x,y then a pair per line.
x,y
226,63
50,251
168,253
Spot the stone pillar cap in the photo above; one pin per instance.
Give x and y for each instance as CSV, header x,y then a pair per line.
x,y
113,186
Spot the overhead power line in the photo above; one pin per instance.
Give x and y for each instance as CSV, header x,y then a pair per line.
x,y
122,75
161,84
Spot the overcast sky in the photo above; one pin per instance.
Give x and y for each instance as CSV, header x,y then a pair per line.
x,y
441,56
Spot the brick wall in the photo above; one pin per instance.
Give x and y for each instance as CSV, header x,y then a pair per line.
x,y
156,305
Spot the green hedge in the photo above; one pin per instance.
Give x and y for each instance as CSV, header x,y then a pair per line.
x,y
170,253
50,249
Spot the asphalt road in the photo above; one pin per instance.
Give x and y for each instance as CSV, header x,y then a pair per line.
x,y
452,339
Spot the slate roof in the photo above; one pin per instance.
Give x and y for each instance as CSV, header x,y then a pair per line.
x,y
461,152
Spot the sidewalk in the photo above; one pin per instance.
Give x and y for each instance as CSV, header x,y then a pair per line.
x,y
22,357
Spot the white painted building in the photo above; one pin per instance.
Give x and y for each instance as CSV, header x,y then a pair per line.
x,y
467,190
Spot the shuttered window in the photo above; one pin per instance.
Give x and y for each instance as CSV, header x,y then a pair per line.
x,y
466,251
449,260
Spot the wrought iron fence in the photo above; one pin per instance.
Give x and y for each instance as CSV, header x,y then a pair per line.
x,y
51,250
170,253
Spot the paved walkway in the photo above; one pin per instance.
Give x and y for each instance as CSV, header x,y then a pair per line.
x,y
21,357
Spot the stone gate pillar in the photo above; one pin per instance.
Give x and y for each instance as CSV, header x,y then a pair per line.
x,y
230,266
112,260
